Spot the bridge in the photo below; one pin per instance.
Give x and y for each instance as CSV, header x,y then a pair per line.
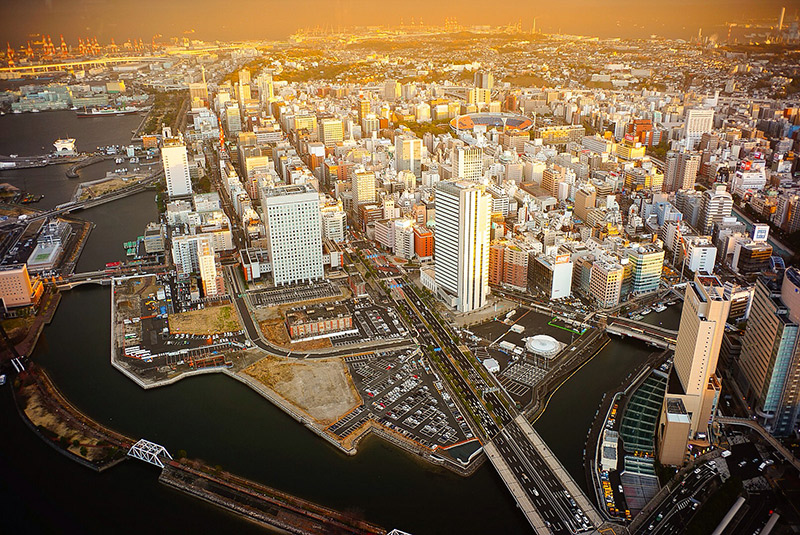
x,y
651,334
775,443
149,452
103,277
545,492
80,65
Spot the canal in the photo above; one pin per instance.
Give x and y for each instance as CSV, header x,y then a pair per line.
x,y
223,422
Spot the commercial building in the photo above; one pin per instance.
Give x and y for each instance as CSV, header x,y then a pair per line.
x,y
551,275
467,163
698,121
751,257
605,282
176,168
769,365
318,321
461,246
408,154
16,289
645,263
423,243
681,170
294,233
693,380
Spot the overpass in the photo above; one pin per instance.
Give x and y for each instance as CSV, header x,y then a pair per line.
x,y
651,334
80,65
104,276
775,443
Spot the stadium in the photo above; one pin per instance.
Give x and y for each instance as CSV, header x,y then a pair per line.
x,y
488,121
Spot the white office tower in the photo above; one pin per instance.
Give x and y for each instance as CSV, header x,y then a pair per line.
x,y
294,233
698,122
208,266
408,154
467,163
461,243
176,168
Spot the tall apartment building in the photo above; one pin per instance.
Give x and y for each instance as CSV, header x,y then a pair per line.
x,y
208,267
769,365
715,205
461,246
467,163
294,233
362,185
681,170
698,121
585,200
693,381
176,168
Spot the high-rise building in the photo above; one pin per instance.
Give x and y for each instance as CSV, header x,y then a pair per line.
x,y
645,265
363,188
294,233
331,131
408,154
769,365
461,246
694,381
585,199
176,168
605,282
467,163
715,205
363,110
208,267
681,170
484,80
698,121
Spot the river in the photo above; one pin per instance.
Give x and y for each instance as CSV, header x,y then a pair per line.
x,y
221,421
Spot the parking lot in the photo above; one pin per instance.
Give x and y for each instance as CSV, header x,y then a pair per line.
x,y
291,294
400,392
373,322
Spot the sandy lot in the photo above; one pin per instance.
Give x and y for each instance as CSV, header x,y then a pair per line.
x,y
321,387
209,320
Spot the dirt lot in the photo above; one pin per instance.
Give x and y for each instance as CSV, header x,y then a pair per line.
x,y
209,320
321,387
275,331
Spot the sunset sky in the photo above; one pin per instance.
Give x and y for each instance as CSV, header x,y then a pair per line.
x,y
254,19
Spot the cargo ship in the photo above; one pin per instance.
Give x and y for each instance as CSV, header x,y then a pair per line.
x,y
107,112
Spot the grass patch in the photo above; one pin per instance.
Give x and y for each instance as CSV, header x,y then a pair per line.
x,y
209,320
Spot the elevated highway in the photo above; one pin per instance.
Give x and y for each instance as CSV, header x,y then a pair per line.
x,y
775,443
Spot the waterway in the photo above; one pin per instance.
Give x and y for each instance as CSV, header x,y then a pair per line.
x,y
223,422
31,134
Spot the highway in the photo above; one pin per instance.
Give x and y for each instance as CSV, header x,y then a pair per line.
x,y
677,508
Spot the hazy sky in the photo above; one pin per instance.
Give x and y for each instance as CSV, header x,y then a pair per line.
x,y
252,19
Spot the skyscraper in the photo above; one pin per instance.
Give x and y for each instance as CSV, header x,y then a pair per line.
x,y
769,366
331,131
694,382
294,233
176,168
461,243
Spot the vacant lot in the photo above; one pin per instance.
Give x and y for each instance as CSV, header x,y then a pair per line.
x,y
209,320
322,388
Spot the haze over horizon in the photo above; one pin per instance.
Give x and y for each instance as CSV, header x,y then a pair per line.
x,y
274,19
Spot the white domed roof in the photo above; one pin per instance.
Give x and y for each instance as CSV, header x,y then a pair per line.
x,y
543,345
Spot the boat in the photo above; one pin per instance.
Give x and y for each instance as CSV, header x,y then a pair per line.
x,y
645,311
119,160
670,303
107,112
34,110
2,379
660,307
